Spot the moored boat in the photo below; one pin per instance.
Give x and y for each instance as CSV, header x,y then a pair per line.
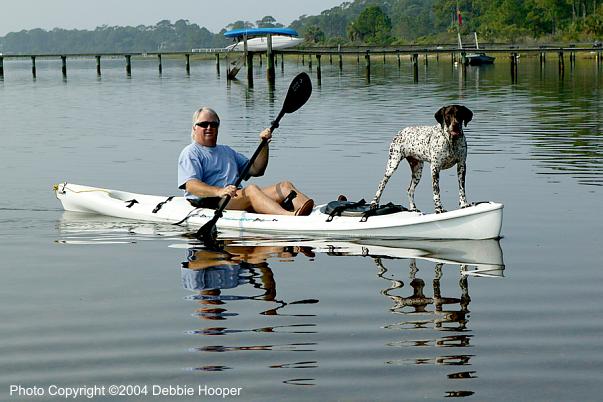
x,y
257,39
480,221
475,58
478,59
260,44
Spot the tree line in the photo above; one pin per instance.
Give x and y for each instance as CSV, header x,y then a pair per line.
x,y
371,22
435,21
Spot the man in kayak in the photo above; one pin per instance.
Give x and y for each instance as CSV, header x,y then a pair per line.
x,y
206,171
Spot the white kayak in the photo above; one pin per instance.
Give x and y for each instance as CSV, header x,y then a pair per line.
x,y
260,44
480,221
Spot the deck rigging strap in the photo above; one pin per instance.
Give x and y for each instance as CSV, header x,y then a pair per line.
x,y
192,213
162,203
131,202
389,208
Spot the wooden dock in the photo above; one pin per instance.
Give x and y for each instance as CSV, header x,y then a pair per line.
x,y
368,54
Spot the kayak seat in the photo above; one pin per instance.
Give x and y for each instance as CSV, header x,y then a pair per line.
x,y
360,209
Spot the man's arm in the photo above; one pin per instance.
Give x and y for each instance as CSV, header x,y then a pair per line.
x,y
201,189
261,162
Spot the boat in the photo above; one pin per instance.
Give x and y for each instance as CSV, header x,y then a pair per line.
x,y
260,44
478,221
475,58
257,39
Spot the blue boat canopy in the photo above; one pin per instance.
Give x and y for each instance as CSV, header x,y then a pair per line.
x,y
235,33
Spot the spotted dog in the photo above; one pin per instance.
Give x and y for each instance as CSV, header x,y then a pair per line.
x,y
442,145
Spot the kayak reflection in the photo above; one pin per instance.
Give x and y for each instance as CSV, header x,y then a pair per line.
x,y
239,261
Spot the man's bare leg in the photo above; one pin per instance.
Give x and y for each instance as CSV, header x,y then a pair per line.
x,y
280,190
254,199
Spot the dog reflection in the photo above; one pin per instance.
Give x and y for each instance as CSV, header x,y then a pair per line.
x,y
419,302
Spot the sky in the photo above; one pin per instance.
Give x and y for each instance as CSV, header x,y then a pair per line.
x,y
16,15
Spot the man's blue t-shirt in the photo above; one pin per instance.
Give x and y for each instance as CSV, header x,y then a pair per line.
x,y
216,166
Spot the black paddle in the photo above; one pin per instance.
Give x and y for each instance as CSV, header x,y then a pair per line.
x,y
299,92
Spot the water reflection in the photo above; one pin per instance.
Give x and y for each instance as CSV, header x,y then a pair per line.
x,y
245,264
208,273
444,314
242,315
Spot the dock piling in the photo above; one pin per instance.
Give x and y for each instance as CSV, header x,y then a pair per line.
x,y
514,68
415,67
33,66
318,68
1,67
98,65
270,74
160,64
367,64
188,64
248,61
128,65
64,65
250,69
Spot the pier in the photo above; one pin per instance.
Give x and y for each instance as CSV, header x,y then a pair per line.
x,y
307,55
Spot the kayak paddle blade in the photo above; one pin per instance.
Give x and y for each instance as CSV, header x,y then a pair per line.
x,y
208,234
298,94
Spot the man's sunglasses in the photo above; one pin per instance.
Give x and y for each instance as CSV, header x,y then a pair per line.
x,y
205,124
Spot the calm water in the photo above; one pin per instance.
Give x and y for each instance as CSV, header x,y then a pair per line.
x,y
90,301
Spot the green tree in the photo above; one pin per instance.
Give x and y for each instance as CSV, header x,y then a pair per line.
x,y
268,22
313,34
372,26
239,25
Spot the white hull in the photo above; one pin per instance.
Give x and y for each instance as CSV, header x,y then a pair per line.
x,y
482,221
260,44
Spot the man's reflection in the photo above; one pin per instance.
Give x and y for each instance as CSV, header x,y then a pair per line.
x,y
209,272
